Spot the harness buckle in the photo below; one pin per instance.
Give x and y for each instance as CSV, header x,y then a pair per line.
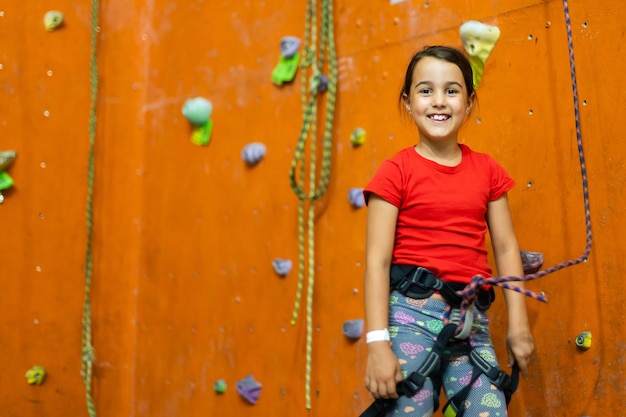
x,y
420,283
423,278
502,379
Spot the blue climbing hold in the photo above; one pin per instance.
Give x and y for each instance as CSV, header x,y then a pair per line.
x,y
353,329
282,266
355,195
253,153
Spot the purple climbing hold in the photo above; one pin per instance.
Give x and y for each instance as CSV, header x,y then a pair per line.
x,y
531,261
249,389
289,46
253,152
353,329
322,87
282,266
355,195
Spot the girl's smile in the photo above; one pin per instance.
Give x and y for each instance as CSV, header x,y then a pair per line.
x,y
438,100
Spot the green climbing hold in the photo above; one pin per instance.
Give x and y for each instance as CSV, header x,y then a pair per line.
x,y
5,181
220,386
286,69
202,134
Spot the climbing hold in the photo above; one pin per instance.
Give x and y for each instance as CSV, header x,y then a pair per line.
x,y
358,137
353,329
318,84
282,266
355,195
36,375
219,386
197,110
201,135
289,46
253,152
5,181
583,340
531,261
6,159
53,20
249,389
285,70
478,41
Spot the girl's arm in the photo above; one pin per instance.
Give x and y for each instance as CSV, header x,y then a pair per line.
x,y
383,368
520,342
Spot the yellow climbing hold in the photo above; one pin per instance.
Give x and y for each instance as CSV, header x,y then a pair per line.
x,y
478,41
358,136
36,375
53,19
583,340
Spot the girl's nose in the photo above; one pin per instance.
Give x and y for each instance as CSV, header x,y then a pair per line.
x,y
439,98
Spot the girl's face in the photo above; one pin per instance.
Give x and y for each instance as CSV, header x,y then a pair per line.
x,y
438,101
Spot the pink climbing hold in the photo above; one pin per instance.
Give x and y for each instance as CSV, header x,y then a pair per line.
x,y
531,261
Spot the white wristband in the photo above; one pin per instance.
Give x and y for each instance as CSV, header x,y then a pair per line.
x,y
377,336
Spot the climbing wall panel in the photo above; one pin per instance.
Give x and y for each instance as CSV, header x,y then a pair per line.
x,y
184,292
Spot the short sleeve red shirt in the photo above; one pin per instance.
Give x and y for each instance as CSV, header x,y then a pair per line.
x,y
441,222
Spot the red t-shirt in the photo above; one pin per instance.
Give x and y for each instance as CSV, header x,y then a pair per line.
x,y
441,222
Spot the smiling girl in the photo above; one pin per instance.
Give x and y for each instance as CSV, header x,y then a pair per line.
x,y
430,207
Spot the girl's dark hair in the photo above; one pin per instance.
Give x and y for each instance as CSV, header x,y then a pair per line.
x,y
445,53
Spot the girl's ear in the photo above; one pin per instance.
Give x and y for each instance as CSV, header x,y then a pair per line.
x,y
407,105
470,103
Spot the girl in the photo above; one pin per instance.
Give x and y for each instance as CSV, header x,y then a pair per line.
x,y
430,206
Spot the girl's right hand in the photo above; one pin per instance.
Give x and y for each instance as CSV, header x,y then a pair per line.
x,y
383,370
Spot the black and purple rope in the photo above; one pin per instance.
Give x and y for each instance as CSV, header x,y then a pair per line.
x,y
469,294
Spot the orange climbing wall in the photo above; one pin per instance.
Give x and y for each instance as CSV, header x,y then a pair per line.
x,y
183,290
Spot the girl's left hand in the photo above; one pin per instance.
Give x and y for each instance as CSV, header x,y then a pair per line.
x,y
520,346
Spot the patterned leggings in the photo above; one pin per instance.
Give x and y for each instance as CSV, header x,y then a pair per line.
x,y
414,325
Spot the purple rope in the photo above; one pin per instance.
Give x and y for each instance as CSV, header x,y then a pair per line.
x,y
470,292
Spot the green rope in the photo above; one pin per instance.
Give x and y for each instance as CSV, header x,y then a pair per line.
x,y
310,100
87,350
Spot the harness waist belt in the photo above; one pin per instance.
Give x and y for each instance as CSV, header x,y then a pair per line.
x,y
417,282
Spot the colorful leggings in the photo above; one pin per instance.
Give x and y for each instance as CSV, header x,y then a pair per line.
x,y
414,325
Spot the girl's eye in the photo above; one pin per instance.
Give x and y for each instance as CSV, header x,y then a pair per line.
x,y
424,91
451,91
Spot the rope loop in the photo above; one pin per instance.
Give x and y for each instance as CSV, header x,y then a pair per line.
x,y
471,290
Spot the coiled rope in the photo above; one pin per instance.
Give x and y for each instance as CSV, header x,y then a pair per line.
x,y
470,292
88,356
311,88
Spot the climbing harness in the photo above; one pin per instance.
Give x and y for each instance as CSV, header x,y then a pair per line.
x,y
420,283
454,407
87,350
311,94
